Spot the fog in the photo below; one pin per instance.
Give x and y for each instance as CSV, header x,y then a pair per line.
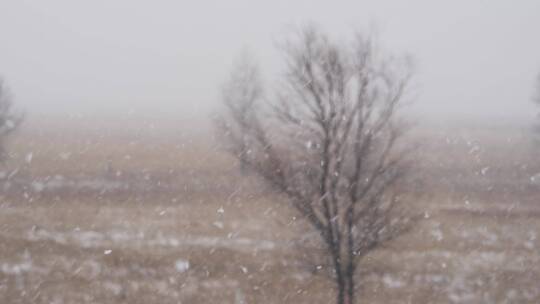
x,y
141,164
473,58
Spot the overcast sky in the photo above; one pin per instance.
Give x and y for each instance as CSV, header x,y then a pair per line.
x,y
172,56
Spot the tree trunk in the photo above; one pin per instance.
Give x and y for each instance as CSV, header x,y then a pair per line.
x,y
345,289
341,289
350,287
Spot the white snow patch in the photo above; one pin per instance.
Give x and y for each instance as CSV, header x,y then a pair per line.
x,y
115,288
391,282
92,239
16,268
437,234
29,157
181,265
218,224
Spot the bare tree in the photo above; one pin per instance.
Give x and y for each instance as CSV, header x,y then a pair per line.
x,y
329,144
536,99
241,94
536,94
9,121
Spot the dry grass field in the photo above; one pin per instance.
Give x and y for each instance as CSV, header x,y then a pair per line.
x,y
148,212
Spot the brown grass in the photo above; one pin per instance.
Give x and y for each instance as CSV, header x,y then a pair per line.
x,y
477,243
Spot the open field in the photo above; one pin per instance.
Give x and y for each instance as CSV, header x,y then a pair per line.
x,y
142,212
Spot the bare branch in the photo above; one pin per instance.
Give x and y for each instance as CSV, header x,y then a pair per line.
x,y
9,120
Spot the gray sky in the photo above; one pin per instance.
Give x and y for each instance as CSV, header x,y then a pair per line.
x,y
171,56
